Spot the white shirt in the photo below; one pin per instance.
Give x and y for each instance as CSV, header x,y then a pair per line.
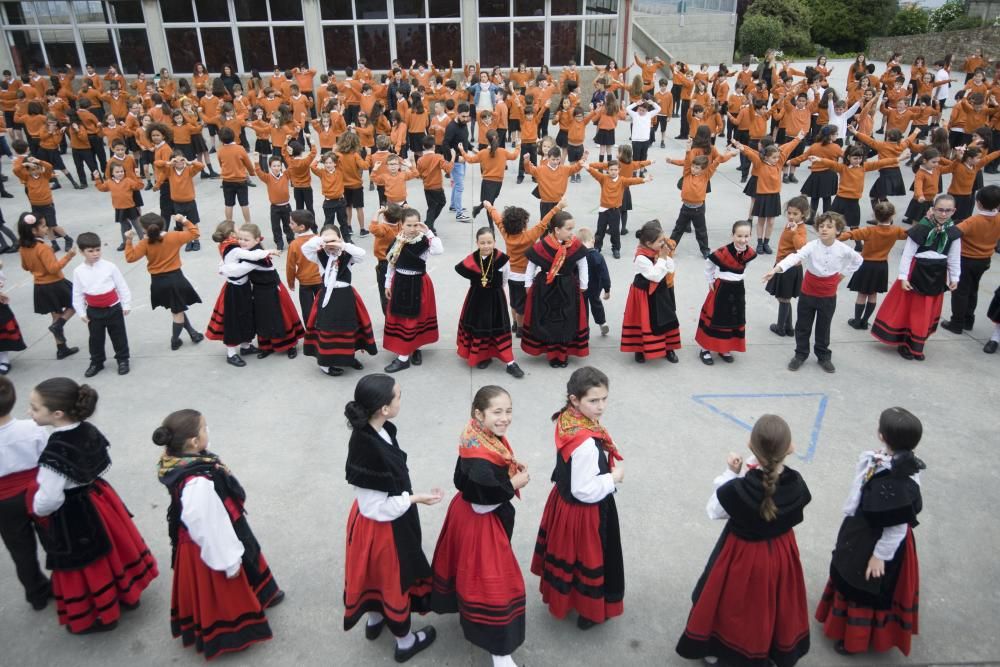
x,y
840,120
642,125
954,258
310,250
379,505
823,260
654,273
207,521
942,92
435,248
714,507
238,272
581,268
100,277
587,484
892,536
21,443
52,486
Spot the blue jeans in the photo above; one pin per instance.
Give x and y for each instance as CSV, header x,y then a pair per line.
x,y
457,175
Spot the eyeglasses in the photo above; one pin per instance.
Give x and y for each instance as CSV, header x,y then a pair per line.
x,y
944,210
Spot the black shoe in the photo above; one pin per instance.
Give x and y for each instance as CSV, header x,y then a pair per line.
x,y
68,242
121,247
555,363
990,347
364,232
905,353
42,601
705,252
55,247
775,329
827,366
706,357
250,183
196,337
7,195
672,357
792,179
205,176
195,246
123,368
396,366
784,178
760,247
585,623
130,607
484,364
839,647
175,343
949,325
743,178
616,254
767,248
520,179
727,357
640,358
236,360
248,350
149,185
63,351
333,371
356,365
264,354
276,600
187,246
372,632
515,370
93,370
662,145
292,353
430,634
417,357
95,628
858,246
55,184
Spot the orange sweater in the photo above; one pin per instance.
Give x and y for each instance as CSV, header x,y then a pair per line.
x,y
277,188
612,190
878,239
552,183
41,262
694,189
769,175
182,183
297,267
331,182
163,256
121,191
852,179
979,236
492,167
963,177
395,185
791,240
430,165
234,163
39,191
830,151
384,234
352,165
518,244
298,169
925,184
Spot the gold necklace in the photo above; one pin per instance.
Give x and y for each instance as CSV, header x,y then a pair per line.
x,y
485,270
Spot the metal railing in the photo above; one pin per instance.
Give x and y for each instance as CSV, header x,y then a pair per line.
x,y
667,7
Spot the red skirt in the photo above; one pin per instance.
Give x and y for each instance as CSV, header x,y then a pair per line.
x,y
334,346
93,593
751,608
863,628
371,576
10,334
907,318
216,614
232,316
571,561
637,331
293,326
475,349
716,338
578,346
477,575
403,335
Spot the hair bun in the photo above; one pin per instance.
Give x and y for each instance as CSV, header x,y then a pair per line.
x,y
356,414
163,436
638,233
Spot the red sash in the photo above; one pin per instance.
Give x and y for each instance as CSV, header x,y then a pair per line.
x,y
105,300
16,483
813,285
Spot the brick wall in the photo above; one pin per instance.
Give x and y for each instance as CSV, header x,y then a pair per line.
x,y
936,45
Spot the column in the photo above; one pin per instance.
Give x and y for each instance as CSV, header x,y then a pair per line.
x,y
470,32
6,62
156,35
315,48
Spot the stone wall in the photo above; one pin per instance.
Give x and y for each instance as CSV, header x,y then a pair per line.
x,y
707,37
935,45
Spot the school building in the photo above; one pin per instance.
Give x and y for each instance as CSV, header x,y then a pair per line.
x,y
146,35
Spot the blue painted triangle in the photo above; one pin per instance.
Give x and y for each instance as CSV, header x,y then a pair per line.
x,y
711,401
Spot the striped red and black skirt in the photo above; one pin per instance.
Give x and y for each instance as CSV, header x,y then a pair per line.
x,y
336,331
722,322
403,335
276,319
11,339
640,333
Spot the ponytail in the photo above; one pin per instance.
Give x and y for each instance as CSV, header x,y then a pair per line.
x,y
494,141
152,224
770,440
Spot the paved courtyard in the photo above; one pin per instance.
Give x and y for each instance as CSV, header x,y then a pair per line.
x,y
279,425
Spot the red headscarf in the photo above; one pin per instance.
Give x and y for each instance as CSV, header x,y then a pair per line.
x,y
573,428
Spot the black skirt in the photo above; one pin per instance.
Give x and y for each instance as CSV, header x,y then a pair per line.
x,y
993,312
872,277
562,139
198,144
916,210
605,138
849,208
767,206
627,199
53,297
171,290
750,189
786,285
888,184
53,157
820,184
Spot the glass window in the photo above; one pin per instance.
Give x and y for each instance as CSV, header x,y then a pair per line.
x,y
494,44
605,7
529,8
52,12
60,47
529,44
98,47
408,9
339,43
565,43
494,8
89,11
373,45
125,11
182,43
289,46
368,10
601,43
335,10
218,45
282,10
177,11
248,10
255,43
25,50
212,10
564,7
444,9
133,45
411,43
446,44
19,13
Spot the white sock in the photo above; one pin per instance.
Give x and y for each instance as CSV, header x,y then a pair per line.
x,y
510,363
232,351
404,357
407,642
503,661
4,357
374,618
995,337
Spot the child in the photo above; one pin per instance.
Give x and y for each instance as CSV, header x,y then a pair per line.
x,y
870,601
299,163
980,234
332,186
925,185
872,278
275,319
750,603
852,181
492,160
180,174
484,324
787,285
11,339
722,322
553,178
484,586
821,185
580,521
613,186
276,179
53,294
826,262
931,264
236,167
167,287
386,575
395,178
650,329
21,443
99,561
429,165
770,163
599,283
411,314
555,318
297,267
103,298
35,175
695,186
964,170
352,165
222,583
337,325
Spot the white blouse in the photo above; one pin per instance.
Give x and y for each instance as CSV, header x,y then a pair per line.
x,y
587,484
52,486
379,505
581,268
892,536
207,521
654,273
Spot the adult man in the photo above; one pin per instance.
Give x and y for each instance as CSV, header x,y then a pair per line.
x,y
455,135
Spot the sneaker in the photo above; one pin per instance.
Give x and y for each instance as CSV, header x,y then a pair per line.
x,y
463,216
827,366
796,363
93,370
123,368
429,635
605,329
394,367
515,370
775,329
236,360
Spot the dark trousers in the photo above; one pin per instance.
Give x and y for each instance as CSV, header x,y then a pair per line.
x,y
820,309
280,216
381,269
609,221
435,204
189,209
544,207
488,191
685,127
966,296
110,321
530,150
97,148
744,160
640,149
335,210
166,203
303,199
84,157
18,535
595,307
696,217
307,295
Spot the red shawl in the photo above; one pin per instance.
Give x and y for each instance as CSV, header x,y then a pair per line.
x,y
573,428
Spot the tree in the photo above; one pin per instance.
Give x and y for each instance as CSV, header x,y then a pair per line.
x,y
945,14
911,20
794,17
846,25
760,33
